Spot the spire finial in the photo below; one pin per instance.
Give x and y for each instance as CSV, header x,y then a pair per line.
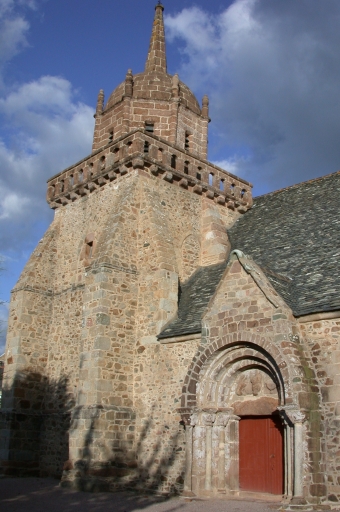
x,y
156,60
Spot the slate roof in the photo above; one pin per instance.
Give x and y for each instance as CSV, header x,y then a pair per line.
x,y
294,235
194,297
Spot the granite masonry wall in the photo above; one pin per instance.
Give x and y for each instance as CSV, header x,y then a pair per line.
x,y
322,337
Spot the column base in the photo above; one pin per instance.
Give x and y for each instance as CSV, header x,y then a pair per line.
x,y
188,494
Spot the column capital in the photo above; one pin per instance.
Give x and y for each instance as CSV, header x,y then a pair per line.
x,y
223,417
292,412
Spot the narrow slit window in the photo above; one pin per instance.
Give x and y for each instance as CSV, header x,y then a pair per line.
x,y
173,161
232,188
160,154
81,176
61,189
116,154
211,179
198,175
242,193
102,162
149,127
71,181
89,250
186,167
222,184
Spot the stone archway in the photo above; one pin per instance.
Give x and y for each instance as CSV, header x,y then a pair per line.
x,y
236,380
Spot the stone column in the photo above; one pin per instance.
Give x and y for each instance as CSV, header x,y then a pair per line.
x,y
186,418
232,476
202,450
208,448
207,419
188,459
288,469
298,459
222,419
296,418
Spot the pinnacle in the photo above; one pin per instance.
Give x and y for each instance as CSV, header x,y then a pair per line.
x,y
156,60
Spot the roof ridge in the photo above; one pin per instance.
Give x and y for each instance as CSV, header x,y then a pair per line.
x,y
320,178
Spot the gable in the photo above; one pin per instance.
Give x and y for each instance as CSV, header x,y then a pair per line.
x,y
294,235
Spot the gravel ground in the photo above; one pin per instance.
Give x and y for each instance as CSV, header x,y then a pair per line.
x,y
44,494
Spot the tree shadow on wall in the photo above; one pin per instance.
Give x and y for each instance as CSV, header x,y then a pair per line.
x,y
34,423
141,464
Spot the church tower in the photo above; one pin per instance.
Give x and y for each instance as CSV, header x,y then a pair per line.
x,y
154,101
86,375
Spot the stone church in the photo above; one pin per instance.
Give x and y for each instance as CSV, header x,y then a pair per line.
x,y
169,332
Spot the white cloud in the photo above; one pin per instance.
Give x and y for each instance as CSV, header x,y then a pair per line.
x,y
272,71
233,165
12,205
46,131
13,30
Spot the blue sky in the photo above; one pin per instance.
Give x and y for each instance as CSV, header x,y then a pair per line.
x,y
271,70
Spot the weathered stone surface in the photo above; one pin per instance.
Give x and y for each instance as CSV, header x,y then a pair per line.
x,y
139,335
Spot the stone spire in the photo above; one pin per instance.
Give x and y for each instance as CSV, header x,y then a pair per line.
x,y
156,60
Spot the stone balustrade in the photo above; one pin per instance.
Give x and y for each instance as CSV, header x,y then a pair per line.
x,y
140,150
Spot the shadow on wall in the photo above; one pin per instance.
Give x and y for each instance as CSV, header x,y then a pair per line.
x,y
35,421
141,464
34,425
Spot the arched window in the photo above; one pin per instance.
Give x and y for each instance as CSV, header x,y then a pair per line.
x,y
211,179
222,183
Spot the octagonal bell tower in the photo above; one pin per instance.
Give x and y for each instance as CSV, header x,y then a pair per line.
x,y
155,101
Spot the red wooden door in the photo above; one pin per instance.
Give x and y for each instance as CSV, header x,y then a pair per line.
x,y
261,454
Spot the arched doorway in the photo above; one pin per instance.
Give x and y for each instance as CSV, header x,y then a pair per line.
x,y
240,392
